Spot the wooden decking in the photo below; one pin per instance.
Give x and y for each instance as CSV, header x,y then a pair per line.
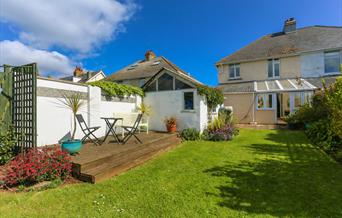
x,y
96,163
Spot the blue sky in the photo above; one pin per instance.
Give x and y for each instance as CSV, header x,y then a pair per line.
x,y
192,34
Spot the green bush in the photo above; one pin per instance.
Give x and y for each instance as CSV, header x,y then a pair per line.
x,y
7,145
323,119
118,90
190,134
214,96
320,133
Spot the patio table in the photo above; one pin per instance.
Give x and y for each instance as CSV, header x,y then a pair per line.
x,y
111,127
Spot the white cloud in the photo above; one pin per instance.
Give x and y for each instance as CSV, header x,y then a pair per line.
x,y
49,63
79,25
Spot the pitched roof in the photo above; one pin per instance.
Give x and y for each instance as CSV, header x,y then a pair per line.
x,y
280,44
317,81
84,78
145,69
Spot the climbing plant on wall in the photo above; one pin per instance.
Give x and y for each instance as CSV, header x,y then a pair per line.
x,y
214,96
118,90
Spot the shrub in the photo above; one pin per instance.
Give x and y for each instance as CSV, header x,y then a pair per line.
x,y
323,119
225,133
190,134
118,90
214,96
37,165
221,128
320,133
7,145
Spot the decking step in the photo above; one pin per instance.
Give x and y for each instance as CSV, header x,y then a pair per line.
x,y
120,162
80,166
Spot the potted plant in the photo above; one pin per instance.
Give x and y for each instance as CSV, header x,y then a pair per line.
x,y
171,124
74,102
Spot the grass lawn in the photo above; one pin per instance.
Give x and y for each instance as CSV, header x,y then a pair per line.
x,y
261,173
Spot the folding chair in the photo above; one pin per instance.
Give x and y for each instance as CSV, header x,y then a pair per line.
x,y
88,131
132,130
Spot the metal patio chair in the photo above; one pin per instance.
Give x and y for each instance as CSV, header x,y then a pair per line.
x,y
88,131
132,130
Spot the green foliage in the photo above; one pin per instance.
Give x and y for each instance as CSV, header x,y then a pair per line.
x,y
221,128
118,90
334,102
320,133
190,134
7,145
214,96
322,118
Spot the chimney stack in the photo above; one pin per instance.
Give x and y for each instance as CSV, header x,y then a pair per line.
x,y
149,55
289,25
78,72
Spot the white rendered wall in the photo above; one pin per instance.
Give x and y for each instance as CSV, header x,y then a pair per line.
x,y
312,64
170,103
55,121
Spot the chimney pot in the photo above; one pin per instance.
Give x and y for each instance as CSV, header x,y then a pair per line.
x,y
78,71
149,55
289,25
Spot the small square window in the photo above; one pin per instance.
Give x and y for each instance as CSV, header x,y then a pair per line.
x,y
188,100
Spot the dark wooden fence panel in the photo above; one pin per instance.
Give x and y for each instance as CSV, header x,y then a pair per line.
x,y
24,105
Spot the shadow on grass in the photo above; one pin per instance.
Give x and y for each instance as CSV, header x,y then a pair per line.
x,y
288,177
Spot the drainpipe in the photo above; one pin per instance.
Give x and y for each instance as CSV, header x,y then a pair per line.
x,y
253,114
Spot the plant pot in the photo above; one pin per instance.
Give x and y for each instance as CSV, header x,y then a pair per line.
x,y
72,146
171,128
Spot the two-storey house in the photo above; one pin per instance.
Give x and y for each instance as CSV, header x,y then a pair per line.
x,y
276,74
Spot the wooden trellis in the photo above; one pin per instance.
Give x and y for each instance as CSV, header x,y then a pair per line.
x,y
24,105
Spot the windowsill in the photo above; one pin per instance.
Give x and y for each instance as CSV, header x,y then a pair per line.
x,y
265,109
274,77
232,79
188,111
331,74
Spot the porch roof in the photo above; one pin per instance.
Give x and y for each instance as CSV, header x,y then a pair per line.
x,y
281,85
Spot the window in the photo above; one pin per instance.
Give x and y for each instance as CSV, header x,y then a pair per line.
x,y
142,82
307,97
152,87
265,101
332,62
180,85
297,100
273,68
234,71
165,82
188,100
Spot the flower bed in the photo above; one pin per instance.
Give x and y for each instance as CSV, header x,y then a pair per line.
x,y
37,165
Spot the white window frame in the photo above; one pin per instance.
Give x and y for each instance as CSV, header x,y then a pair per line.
x,y
339,55
274,60
193,99
302,100
265,96
234,66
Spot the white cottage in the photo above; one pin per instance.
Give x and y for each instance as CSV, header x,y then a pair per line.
x,y
170,91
